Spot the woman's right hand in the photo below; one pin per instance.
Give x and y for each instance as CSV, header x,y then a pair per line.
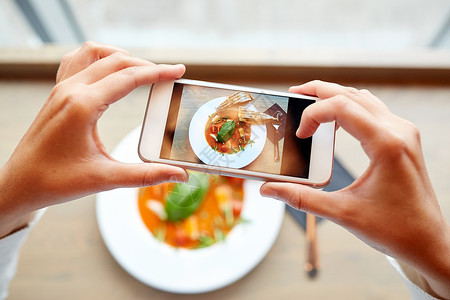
x,y
392,206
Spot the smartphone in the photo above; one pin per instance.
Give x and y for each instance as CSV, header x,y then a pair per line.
x,y
235,131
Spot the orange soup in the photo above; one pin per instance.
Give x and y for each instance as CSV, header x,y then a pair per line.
x,y
231,140
217,214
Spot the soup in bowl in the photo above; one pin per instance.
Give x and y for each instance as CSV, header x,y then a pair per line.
x,y
195,214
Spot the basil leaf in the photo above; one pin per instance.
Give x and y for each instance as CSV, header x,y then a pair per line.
x,y
226,131
185,198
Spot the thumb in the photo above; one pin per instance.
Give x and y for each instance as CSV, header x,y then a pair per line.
x,y
302,197
145,174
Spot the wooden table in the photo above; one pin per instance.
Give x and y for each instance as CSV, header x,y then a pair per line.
x,y
65,257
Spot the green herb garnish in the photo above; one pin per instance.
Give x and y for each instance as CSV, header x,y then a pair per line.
x,y
226,131
186,197
243,221
205,241
234,150
160,234
219,235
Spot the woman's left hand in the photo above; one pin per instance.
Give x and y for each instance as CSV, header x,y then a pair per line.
x,y
61,156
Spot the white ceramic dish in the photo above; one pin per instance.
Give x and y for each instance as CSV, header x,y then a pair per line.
x,y
178,270
210,157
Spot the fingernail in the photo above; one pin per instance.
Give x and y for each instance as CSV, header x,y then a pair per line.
x,y
179,177
267,191
179,66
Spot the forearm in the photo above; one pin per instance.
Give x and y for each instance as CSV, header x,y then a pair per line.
x,y
13,216
431,271
438,277
13,224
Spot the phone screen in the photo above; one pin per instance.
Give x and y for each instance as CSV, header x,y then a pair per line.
x,y
235,129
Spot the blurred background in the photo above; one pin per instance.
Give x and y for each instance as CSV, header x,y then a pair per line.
x,y
287,24
400,50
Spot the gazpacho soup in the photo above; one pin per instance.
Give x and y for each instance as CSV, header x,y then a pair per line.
x,y
195,214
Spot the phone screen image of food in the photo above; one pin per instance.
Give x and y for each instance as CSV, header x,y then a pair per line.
x,y
236,129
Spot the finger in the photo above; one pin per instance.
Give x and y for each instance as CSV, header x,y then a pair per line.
x,y
321,89
348,114
89,53
106,66
117,85
65,61
303,198
325,90
142,174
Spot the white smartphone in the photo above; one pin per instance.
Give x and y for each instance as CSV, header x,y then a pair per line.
x,y
235,131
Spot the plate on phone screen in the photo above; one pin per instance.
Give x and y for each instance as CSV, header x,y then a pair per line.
x,y
180,270
207,154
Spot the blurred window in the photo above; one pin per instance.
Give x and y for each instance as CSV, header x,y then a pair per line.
x,y
207,24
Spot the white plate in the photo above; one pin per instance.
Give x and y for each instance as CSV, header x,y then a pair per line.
x,y
178,270
210,157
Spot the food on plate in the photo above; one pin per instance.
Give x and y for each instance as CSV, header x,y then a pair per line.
x,y
228,129
195,214
238,98
227,135
251,116
184,199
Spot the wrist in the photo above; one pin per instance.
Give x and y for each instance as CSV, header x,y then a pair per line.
x,y
13,215
438,277
433,267
11,225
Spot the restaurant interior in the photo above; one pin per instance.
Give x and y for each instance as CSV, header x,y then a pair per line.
x,y
98,247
